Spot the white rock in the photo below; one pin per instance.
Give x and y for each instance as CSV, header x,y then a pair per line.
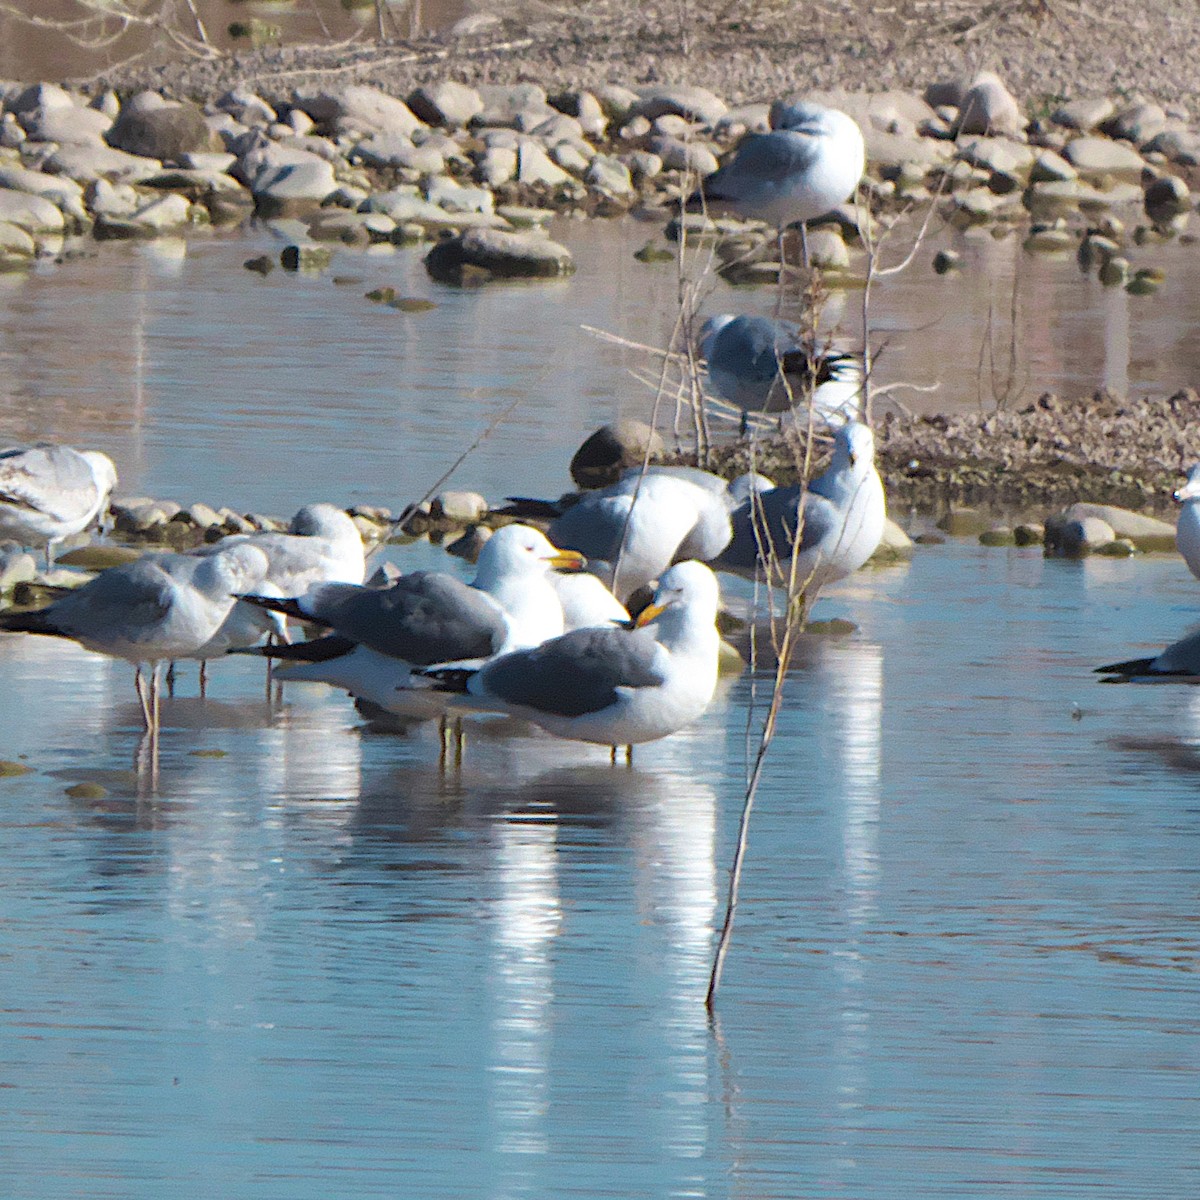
x,y
34,214
86,163
989,107
535,166
362,108
71,125
171,212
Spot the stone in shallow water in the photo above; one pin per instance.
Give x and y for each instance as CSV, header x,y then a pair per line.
x,y
166,133
610,450
497,253
963,522
305,257
10,769
1070,537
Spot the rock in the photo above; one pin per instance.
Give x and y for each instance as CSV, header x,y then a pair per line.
x,y
505,104
827,250
612,449
462,508
166,133
1181,146
85,164
305,256
997,154
1147,533
34,214
40,97
679,155
894,538
521,217
16,566
1168,196
70,125
495,252
11,133
1071,537
470,544
1083,115
452,196
363,109
1114,271
1137,122
945,261
694,103
202,516
963,522
1099,156
535,167
609,174
98,557
930,539
106,199
947,93
448,104
497,165
1029,534
572,156
1050,241
86,791
10,769
247,107
1049,166
617,102
293,187
170,212
392,150
989,107
15,243
998,535
642,164
63,192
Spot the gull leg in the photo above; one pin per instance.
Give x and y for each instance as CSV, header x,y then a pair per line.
x,y
612,755
203,678
140,683
629,756
154,692
804,243
460,740
171,678
443,741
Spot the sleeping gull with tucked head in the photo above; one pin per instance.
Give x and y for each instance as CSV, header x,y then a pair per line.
x,y
610,685
48,493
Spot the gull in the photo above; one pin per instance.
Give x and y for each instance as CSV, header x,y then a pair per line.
x,y
1178,663
1187,528
762,365
610,685
322,545
643,523
379,635
843,514
808,163
48,493
157,608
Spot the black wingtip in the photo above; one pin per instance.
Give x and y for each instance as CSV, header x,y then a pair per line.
x,y
35,621
289,607
529,507
318,650
448,679
1127,669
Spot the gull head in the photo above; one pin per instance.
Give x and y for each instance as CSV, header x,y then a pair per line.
x,y
854,446
689,586
1191,489
240,568
523,550
322,520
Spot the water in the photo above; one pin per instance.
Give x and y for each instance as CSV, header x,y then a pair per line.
x,y
310,965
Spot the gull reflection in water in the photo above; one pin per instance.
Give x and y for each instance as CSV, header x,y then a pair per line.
x,y
666,820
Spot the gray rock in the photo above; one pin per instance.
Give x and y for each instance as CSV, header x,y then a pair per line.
x,y
15,242
87,163
392,150
1084,114
893,150
1180,146
305,256
34,214
574,160
169,213
469,546
827,250
609,174
69,125
504,103
635,129
947,93
1073,537
497,165
534,166
742,119
461,507
1049,166
293,187
202,516
1147,533
247,107
997,154
989,107
695,103
112,199
590,114
1093,156
1167,197
166,133
553,127
448,104
452,196
11,133
214,161
497,253
612,449
617,102
678,155
1137,122
642,164
358,108
40,97
59,190
16,566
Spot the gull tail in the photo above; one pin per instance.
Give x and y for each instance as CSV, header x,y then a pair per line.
x,y
529,506
318,650
1142,670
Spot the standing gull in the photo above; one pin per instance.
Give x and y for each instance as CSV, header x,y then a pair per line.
x,y
612,686
843,513
808,163
48,493
154,609
378,635
1187,528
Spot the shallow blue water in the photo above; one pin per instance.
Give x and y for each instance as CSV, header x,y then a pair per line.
x,y
310,965
965,962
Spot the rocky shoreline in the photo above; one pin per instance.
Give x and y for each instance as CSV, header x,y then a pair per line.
x,y
477,171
